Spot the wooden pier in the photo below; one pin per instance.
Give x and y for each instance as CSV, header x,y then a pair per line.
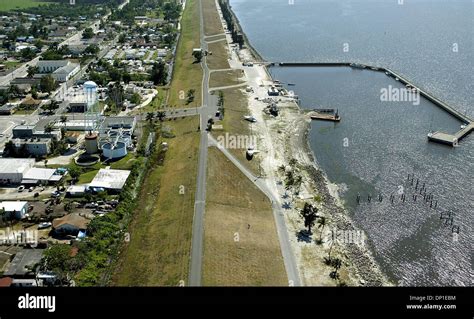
x,y
439,137
450,139
325,116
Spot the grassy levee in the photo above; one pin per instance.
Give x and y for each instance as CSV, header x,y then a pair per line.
x,y
225,78
241,246
213,25
220,56
160,234
187,74
235,108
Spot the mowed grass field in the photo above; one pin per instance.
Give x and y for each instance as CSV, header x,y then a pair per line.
x,y
7,5
241,246
220,56
211,17
158,253
225,78
235,108
187,74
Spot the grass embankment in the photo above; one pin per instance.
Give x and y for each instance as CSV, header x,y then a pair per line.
x,y
7,5
213,29
225,78
187,74
160,233
213,25
235,108
220,56
241,245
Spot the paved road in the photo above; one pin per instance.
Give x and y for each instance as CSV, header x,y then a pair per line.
x,y
209,108
200,199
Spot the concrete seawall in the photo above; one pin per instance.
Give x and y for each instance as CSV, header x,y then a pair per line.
x,y
444,138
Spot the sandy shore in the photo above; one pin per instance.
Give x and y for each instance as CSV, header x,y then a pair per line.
x,y
281,139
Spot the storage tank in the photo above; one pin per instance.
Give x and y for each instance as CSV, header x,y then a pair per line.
x,y
90,91
92,143
113,151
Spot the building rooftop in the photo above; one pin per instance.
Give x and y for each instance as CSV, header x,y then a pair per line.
x,y
41,174
71,219
12,206
16,165
110,178
24,258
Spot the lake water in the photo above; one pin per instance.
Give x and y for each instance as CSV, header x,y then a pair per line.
x,y
378,143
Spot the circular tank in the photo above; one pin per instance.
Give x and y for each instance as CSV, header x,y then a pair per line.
x,y
110,151
92,145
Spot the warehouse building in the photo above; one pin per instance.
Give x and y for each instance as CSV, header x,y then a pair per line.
x,y
13,169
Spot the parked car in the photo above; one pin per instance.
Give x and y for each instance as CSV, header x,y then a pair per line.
x,y
21,188
44,225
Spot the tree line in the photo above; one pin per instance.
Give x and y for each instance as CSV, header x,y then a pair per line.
x,y
237,37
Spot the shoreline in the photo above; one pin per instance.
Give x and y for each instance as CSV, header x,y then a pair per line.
x,y
359,260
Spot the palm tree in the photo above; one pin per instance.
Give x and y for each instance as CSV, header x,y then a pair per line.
x,y
161,115
150,116
31,71
48,128
309,214
63,119
282,169
337,264
322,223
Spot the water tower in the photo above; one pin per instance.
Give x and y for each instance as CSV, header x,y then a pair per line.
x,y
91,117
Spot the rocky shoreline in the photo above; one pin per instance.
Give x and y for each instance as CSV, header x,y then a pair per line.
x,y
286,138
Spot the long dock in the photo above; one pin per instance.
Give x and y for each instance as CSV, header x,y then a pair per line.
x,y
439,137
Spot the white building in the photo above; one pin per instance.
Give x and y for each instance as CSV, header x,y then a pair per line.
x,y
13,169
61,70
15,210
111,179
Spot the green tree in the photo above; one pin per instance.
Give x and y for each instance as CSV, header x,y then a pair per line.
x,y
198,55
158,73
190,96
31,71
136,98
150,116
309,214
28,53
92,49
321,224
75,172
51,107
220,102
47,83
63,119
161,115
88,33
